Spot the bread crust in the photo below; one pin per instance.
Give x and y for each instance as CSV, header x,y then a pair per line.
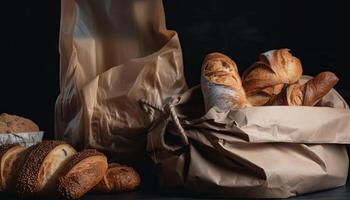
x,y
221,84
3,150
266,78
81,173
16,124
118,178
309,93
11,158
27,181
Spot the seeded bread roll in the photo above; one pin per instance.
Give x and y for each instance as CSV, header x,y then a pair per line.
x,y
11,158
16,124
81,173
40,169
118,178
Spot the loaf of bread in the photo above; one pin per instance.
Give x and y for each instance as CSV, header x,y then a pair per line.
x,y
16,124
266,78
118,178
221,83
42,164
307,94
11,158
81,173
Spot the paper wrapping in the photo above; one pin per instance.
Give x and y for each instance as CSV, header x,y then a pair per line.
x,y
112,54
258,152
24,139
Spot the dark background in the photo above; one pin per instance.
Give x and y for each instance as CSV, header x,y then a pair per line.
x,y
316,32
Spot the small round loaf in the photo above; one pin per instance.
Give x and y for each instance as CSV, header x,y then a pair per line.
x,y
118,178
11,156
81,173
41,166
16,124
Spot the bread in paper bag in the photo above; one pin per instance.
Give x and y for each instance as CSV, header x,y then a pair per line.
x,y
255,152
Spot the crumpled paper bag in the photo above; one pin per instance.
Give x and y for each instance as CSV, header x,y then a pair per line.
x,y
112,54
258,152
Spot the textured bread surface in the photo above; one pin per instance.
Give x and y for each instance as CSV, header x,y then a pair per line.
x,y
118,178
11,157
16,124
221,84
266,78
309,93
42,162
81,173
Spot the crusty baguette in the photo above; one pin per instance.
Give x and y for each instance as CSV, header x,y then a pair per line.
x,y
309,93
81,173
118,178
39,171
16,124
11,156
221,83
266,78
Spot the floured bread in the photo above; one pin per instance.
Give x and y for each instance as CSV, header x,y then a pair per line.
x,y
40,169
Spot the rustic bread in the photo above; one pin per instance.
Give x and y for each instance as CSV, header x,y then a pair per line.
x,y
40,169
118,178
266,78
11,157
309,93
16,124
221,83
81,173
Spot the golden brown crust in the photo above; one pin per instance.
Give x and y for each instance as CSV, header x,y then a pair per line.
x,y
27,181
118,178
266,78
221,83
3,149
16,124
309,93
82,172
318,87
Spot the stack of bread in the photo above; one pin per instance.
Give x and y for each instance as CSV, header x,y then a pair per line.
x,y
272,80
56,169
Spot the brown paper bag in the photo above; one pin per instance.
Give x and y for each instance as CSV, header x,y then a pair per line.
x,y
114,53
258,152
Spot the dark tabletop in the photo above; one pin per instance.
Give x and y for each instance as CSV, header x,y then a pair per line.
x,y
340,193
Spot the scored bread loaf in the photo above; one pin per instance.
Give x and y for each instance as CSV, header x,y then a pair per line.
x,y
118,178
309,93
81,173
41,166
221,84
16,124
11,158
266,78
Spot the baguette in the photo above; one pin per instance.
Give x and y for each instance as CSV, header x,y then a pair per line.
x,y
221,83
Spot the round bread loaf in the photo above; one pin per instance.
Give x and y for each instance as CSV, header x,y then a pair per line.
x,y
81,173
43,162
118,178
16,124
